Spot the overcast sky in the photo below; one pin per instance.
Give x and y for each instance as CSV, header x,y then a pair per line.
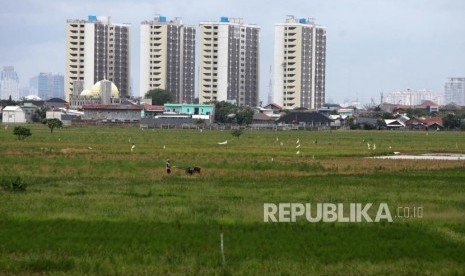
x,y
373,46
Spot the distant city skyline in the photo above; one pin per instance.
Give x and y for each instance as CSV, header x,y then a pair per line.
x,y
373,47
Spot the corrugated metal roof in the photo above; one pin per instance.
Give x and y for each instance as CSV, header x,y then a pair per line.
x,y
11,108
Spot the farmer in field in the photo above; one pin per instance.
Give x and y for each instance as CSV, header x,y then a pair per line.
x,y
168,166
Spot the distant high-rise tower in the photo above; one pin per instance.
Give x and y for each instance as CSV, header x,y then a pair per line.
x,y
97,49
167,58
9,84
44,84
299,64
454,91
50,86
229,62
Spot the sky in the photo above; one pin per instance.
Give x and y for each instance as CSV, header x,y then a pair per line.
x,y
373,46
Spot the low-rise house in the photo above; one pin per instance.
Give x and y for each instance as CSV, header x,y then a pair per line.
x,y
402,118
67,119
196,111
275,107
266,111
270,112
55,103
53,114
178,115
400,109
151,111
36,103
305,118
261,118
415,124
366,122
346,112
13,114
337,120
112,112
433,123
29,111
328,109
394,124
430,107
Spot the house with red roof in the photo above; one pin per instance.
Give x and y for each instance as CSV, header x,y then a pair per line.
x,y
430,107
433,123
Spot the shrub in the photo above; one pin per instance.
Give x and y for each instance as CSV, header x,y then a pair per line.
x,y
236,132
22,132
15,185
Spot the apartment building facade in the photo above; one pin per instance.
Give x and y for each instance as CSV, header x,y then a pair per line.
x,y
229,62
97,49
454,91
167,58
9,84
299,64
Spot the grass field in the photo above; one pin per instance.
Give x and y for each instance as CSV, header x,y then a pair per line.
x,y
107,210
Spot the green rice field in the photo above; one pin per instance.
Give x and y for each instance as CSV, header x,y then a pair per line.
x,y
80,202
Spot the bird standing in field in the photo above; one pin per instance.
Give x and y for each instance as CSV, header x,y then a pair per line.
x,y
133,147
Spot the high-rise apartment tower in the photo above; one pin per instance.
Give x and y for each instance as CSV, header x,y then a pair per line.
x,y
167,58
9,84
229,62
299,64
454,91
97,49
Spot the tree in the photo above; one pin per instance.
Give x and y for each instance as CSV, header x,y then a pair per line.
x,y
159,96
39,115
223,110
53,123
350,122
21,132
229,113
451,121
380,123
10,101
387,115
244,115
462,126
